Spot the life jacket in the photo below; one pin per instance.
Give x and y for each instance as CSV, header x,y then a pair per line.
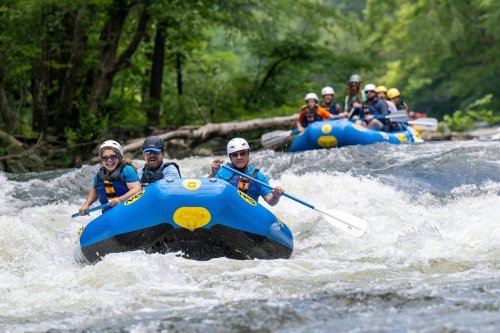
x,y
332,108
369,108
245,185
150,176
310,116
109,187
400,105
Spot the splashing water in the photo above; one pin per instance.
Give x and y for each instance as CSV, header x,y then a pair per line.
x,y
429,262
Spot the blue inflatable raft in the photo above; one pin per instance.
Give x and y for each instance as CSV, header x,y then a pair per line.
x,y
340,133
202,218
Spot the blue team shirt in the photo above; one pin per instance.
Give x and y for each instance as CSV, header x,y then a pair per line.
x,y
226,175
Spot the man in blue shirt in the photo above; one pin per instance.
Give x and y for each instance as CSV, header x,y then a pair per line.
x,y
372,109
238,151
155,169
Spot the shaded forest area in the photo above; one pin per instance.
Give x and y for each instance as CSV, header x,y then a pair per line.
x,y
73,73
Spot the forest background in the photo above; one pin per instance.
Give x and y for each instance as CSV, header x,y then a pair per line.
x,y
75,72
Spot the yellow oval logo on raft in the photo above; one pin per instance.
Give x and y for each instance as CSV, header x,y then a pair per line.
x,y
192,218
326,128
134,198
248,199
401,137
359,127
191,184
327,141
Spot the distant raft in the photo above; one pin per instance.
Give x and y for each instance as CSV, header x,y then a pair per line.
x,y
340,133
201,218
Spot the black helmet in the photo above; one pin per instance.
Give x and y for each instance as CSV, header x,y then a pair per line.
x,y
153,143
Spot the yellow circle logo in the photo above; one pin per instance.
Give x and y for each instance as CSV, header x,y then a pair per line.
x,y
248,199
401,137
359,127
327,141
192,217
134,198
191,184
326,128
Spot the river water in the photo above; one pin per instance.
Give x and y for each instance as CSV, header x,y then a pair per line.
x,y
430,261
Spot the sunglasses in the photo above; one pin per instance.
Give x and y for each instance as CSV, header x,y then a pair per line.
x,y
370,91
152,152
239,153
353,83
111,158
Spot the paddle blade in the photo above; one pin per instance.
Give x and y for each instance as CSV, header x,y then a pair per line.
x,y
346,222
398,116
428,124
273,138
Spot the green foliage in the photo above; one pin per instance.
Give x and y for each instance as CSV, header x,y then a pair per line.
x,y
459,122
90,129
243,59
475,112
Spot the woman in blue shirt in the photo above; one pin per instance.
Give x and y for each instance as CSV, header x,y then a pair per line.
x,y
116,180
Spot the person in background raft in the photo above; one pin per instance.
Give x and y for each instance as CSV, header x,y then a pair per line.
x,y
116,180
372,109
238,151
395,97
155,169
327,94
355,96
382,95
311,112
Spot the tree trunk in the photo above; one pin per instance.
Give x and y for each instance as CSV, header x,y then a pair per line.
x,y
70,82
39,84
178,67
157,65
110,63
7,116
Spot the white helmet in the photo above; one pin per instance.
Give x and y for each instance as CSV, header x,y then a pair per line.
x,y
112,144
237,144
369,87
327,91
311,96
355,78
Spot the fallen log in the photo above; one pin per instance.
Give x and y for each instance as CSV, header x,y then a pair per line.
x,y
195,135
202,133
12,141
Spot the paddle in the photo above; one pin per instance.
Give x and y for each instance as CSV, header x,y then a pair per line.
x,y
399,116
428,124
351,224
90,210
276,137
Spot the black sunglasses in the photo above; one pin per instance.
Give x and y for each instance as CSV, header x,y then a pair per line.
x,y
239,153
112,158
152,152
